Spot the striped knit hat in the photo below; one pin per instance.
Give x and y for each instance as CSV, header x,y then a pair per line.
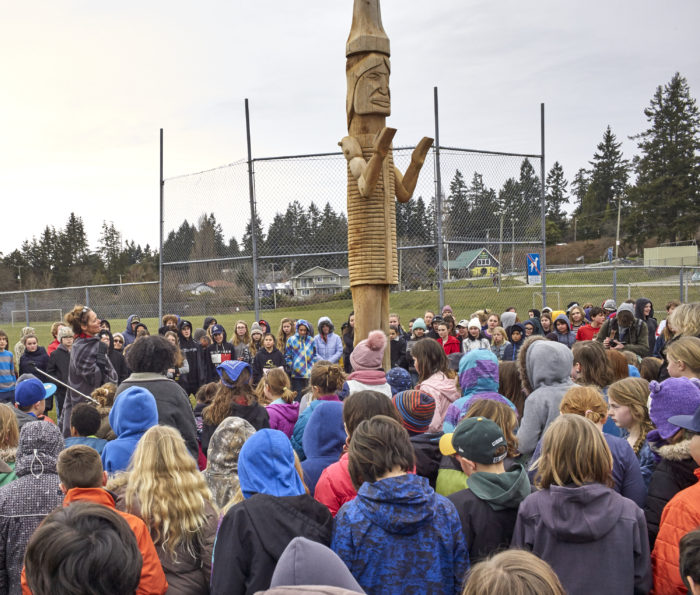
x,y
416,409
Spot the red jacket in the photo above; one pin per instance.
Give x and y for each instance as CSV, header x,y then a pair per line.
x,y
334,488
451,345
587,333
680,516
152,576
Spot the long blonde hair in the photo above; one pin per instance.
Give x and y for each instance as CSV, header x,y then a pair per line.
x,y
281,337
246,338
633,393
167,491
9,431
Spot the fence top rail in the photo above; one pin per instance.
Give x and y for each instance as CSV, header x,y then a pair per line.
x,y
480,152
205,171
131,284
609,267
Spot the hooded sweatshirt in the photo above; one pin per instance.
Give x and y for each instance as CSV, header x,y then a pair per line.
x,y
225,446
548,366
283,416
568,338
254,533
306,562
28,499
324,438
300,353
129,336
331,347
444,391
133,413
488,509
512,349
478,373
297,437
650,321
594,539
196,360
399,536
508,320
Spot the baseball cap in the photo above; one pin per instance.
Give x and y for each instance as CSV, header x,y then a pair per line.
x,y
32,390
217,329
478,439
464,323
687,422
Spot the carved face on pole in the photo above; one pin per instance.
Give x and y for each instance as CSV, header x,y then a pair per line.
x,y
368,85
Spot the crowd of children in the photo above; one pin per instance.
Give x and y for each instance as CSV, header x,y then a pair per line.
x,y
556,454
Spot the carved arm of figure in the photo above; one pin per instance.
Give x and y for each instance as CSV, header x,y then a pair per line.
x,y
367,173
406,184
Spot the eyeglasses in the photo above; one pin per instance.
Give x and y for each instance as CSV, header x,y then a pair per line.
x,y
118,341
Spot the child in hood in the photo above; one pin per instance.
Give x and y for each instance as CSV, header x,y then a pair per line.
x,y
328,345
300,355
516,338
134,411
562,331
324,440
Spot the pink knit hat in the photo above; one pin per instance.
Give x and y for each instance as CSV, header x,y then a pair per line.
x,y
368,354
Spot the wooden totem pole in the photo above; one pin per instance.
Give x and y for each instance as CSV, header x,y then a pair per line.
x,y
373,180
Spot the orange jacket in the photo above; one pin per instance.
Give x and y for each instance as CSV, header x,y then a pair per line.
x,y
152,576
681,515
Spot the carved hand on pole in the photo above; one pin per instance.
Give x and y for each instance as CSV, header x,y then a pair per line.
x,y
367,173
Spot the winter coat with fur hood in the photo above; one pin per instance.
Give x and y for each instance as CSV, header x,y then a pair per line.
x,y
673,473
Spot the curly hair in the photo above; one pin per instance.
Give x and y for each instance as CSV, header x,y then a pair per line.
x,y
167,491
327,377
77,316
151,354
586,401
105,394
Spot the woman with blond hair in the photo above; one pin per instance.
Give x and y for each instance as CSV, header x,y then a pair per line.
x,y
594,539
163,487
9,439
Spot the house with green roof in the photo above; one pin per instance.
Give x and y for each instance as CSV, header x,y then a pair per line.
x,y
473,263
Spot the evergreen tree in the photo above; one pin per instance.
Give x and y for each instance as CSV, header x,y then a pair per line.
x,y
110,252
665,201
607,186
555,198
456,209
178,244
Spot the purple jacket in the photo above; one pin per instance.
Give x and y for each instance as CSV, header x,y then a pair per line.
x,y
594,539
283,416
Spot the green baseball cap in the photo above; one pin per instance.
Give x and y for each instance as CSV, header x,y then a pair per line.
x,y
478,439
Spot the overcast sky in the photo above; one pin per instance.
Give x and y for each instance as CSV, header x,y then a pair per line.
x,y
86,86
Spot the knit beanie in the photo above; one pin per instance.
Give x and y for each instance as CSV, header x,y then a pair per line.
x,y
368,354
199,333
399,379
419,323
255,327
475,322
416,409
64,331
673,396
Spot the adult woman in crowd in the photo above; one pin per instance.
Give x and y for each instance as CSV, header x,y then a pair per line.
x,y
89,366
116,357
348,342
165,489
149,359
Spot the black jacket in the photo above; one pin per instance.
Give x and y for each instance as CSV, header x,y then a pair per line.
x,y
264,360
673,473
348,346
427,450
255,414
59,360
254,533
197,360
119,363
398,354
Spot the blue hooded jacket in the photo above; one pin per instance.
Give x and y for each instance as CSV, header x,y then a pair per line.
x,y
133,413
323,440
511,352
399,536
266,466
129,337
300,353
332,347
569,337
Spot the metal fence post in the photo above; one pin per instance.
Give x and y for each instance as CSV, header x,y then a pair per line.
x,y
26,309
160,226
615,284
438,205
253,217
87,297
543,212
680,276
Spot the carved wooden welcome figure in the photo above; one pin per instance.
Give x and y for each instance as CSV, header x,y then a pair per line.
x,y
373,179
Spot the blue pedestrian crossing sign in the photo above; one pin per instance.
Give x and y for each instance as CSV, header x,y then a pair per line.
x,y
534,267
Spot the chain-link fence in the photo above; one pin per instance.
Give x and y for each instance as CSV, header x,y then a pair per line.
x,y
490,219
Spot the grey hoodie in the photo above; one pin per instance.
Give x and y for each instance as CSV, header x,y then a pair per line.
x,y
548,365
508,320
594,539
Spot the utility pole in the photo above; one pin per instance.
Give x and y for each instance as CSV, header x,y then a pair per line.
x,y
617,234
